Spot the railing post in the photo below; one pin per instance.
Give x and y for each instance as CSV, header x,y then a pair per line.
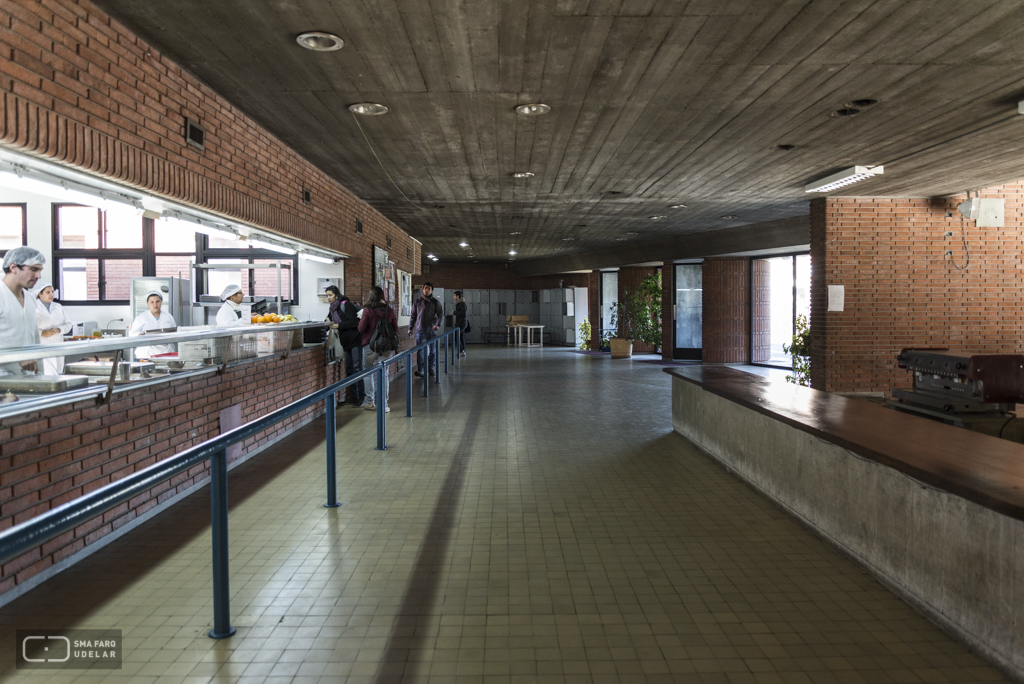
x,y
408,386
446,354
219,523
332,444
437,361
382,440
426,374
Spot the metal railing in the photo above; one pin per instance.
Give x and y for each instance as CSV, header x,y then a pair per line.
x,y
32,533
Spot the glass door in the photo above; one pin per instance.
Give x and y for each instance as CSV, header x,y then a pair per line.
x,y
780,291
689,313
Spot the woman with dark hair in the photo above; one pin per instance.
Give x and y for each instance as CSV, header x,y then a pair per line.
x,y
344,318
461,322
377,346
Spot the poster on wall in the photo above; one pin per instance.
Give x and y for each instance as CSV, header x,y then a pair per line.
x,y
405,293
380,268
391,289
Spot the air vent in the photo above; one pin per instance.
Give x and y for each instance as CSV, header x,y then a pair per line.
x,y
307,195
359,227
389,241
408,252
195,134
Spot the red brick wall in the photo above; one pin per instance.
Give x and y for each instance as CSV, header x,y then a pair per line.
x,y
80,89
50,457
493,277
630,278
726,310
668,300
594,308
900,289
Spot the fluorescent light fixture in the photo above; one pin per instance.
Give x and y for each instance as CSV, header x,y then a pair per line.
x,y
260,244
316,257
523,174
431,256
512,252
19,178
463,244
846,177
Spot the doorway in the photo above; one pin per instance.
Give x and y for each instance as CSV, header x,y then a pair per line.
x,y
689,323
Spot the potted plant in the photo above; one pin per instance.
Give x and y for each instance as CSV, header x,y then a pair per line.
x,y
585,332
800,350
637,317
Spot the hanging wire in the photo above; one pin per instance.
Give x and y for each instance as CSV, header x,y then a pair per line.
x,y
963,234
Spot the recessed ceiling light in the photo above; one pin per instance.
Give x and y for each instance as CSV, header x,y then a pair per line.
x,y
785,148
861,103
319,41
621,238
431,256
845,177
729,216
522,174
656,218
846,111
512,252
581,225
533,109
517,217
569,239
368,109
515,233
632,233
463,244
678,206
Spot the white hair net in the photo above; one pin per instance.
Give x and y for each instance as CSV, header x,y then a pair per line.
x,y
154,292
23,256
228,291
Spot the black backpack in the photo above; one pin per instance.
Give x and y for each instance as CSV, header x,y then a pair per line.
x,y
384,337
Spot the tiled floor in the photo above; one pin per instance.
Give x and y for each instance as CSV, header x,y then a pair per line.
x,y
537,521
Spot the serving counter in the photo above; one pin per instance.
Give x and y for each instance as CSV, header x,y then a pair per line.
x,y
934,511
56,447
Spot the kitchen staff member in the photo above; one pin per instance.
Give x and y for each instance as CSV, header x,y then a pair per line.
x,y
22,268
154,319
230,314
53,323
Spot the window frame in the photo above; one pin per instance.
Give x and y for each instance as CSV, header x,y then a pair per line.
x,y
750,294
24,223
247,254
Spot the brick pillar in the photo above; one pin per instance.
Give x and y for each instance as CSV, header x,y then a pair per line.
x,y
761,310
668,299
594,308
629,279
726,308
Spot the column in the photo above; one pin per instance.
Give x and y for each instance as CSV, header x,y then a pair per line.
x,y
726,310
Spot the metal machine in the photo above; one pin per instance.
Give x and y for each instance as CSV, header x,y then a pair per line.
x,y
975,391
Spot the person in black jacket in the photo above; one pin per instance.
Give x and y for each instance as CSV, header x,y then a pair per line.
x,y
461,310
344,317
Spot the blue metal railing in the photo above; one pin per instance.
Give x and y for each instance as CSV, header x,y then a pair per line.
x,y
32,533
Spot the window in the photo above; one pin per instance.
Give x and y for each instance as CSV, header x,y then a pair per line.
x,y
689,311
609,297
98,252
13,227
780,291
259,282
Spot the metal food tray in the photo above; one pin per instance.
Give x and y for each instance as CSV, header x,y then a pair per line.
x,y
103,368
43,384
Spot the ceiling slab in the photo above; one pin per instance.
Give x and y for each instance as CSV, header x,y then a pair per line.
x,y
654,104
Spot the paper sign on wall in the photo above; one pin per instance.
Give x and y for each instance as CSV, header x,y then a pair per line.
x,y
836,297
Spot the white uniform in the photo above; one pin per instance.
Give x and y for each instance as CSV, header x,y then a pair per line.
x,y
18,326
54,317
146,321
229,316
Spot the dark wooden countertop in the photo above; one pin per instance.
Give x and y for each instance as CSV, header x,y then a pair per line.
x,y
986,470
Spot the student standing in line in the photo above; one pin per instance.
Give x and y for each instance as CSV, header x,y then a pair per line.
x,y
18,328
426,317
461,322
379,326
344,318
53,323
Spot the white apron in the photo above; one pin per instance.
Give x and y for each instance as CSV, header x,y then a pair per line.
x,y
17,325
145,321
54,317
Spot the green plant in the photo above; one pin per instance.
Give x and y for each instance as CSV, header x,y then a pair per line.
x,y
800,350
638,316
585,332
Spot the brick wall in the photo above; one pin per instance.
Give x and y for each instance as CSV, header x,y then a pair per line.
x,y
900,289
80,89
594,308
668,300
726,310
50,457
493,277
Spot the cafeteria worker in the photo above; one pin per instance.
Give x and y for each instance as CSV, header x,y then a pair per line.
x,y
230,313
153,319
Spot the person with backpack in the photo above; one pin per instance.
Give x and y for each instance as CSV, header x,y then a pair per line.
x,y
461,322
344,319
427,314
379,327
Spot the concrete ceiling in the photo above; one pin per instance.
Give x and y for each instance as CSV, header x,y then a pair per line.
x,y
654,103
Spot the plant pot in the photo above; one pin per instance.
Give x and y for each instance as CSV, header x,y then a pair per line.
x,y
621,348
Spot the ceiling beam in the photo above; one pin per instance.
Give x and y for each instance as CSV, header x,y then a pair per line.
x,y
769,235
